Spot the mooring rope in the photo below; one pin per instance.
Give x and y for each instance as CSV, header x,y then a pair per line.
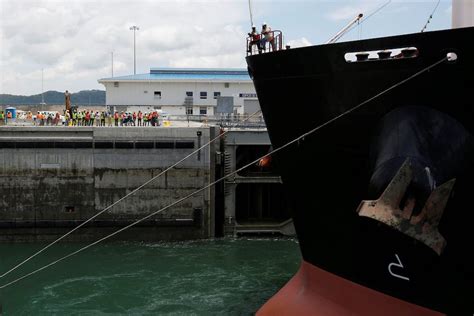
x,y
251,15
297,139
376,11
430,17
124,197
359,24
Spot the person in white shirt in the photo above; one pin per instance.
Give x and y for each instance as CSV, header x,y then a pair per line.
x,y
267,36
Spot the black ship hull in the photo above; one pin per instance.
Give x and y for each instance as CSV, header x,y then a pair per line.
x,y
426,121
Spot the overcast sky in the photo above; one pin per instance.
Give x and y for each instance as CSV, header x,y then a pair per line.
x,y
72,41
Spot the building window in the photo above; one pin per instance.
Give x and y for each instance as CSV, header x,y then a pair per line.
x,y
116,84
189,93
227,85
189,110
157,94
203,95
216,95
203,110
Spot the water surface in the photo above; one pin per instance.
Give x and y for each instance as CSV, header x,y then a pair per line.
x,y
210,277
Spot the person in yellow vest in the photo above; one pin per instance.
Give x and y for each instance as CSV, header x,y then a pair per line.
x,y
2,118
74,118
102,118
79,118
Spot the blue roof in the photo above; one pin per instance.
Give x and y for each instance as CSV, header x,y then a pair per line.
x,y
189,74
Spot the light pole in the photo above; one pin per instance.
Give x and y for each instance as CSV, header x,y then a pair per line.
x,y
112,54
42,86
134,28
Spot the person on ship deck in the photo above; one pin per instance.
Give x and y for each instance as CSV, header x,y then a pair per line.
x,y
254,40
267,36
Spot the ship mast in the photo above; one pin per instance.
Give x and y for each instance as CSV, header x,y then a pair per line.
x,y
463,13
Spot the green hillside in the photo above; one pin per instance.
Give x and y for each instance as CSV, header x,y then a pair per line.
x,y
85,97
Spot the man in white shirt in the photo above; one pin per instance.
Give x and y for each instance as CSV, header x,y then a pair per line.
x,y
267,36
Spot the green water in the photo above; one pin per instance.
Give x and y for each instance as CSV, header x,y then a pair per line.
x,y
211,277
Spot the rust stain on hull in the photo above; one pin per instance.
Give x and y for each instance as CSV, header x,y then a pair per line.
x,y
424,226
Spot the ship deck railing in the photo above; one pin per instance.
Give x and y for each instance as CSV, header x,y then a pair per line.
x,y
253,46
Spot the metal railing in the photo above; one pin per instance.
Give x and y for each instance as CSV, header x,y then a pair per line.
x,y
260,44
224,120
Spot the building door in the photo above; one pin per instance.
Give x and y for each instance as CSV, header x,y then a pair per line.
x,y
251,106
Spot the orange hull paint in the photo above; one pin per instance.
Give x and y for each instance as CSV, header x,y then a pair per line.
x,y
313,291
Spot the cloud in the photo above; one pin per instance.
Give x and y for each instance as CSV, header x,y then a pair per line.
x,y
169,38
366,7
300,42
349,12
73,40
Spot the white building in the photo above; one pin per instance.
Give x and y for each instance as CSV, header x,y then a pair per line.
x,y
181,91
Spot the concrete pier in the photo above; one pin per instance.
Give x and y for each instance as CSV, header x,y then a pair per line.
x,y
53,178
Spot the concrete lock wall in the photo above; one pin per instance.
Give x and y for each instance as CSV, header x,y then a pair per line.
x,y
52,179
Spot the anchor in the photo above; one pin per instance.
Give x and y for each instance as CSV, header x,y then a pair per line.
x,y
422,227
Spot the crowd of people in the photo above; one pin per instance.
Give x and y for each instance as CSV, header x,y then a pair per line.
x,y
104,118
86,118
